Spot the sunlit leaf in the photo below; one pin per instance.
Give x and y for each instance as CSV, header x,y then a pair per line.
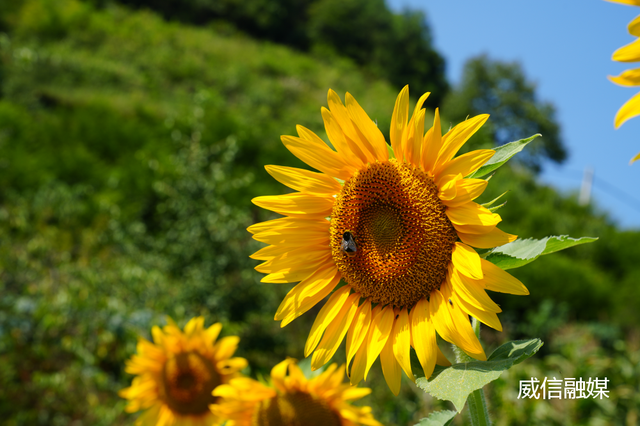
x,y
457,382
522,251
502,155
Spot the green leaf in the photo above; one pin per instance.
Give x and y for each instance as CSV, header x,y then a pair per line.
x,y
457,382
438,418
502,155
521,252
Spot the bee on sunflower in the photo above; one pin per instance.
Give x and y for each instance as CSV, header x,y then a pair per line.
x,y
398,224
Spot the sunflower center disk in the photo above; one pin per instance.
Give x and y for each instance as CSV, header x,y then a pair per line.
x,y
188,380
294,409
403,237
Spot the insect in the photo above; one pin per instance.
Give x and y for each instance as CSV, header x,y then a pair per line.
x,y
348,244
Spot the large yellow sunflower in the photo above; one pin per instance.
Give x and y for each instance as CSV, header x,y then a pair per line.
x,y
176,374
397,224
629,53
293,400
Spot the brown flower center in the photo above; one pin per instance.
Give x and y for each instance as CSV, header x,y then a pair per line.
x,y
188,380
403,237
294,409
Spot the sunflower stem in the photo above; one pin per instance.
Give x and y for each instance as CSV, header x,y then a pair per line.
x,y
478,408
477,404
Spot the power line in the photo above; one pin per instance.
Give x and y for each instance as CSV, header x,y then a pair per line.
x,y
607,187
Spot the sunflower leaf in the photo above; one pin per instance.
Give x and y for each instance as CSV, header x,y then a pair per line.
x,y
520,252
457,382
502,155
392,154
438,418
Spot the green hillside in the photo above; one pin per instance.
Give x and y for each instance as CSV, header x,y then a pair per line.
x,y
130,148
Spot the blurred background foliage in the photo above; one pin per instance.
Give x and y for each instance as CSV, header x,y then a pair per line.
x,y
132,138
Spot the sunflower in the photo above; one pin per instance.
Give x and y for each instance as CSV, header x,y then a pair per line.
x,y
293,400
176,374
396,223
629,53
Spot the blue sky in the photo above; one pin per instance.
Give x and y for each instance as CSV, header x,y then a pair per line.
x,y
565,48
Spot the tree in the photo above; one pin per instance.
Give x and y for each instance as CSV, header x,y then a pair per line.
x,y
501,89
396,47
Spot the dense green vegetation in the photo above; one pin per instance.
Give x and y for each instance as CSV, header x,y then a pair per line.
x,y
363,31
129,150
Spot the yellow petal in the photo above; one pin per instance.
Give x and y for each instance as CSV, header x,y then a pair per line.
x,y
473,292
279,372
454,326
325,317
493,238
292,276
358,330
340,142
231,365
288,222
292,239
402,342
423,335
466,261
472,214
418,106
390,368
630,109
432,144
269,252
317,155
626,2
634,159
628,53
356,373
458,136
307,293
304,180
341,115
335,333
213,331
448,188
497,279
289,261
634,26
296,377
414,143
296,204
627,78
474,229
411,141
487,318
373,138
352,393
399,120
466,163
466,190
379,332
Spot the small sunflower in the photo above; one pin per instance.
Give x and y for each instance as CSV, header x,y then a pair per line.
x,y
629,53
176,374
396,223
293,400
